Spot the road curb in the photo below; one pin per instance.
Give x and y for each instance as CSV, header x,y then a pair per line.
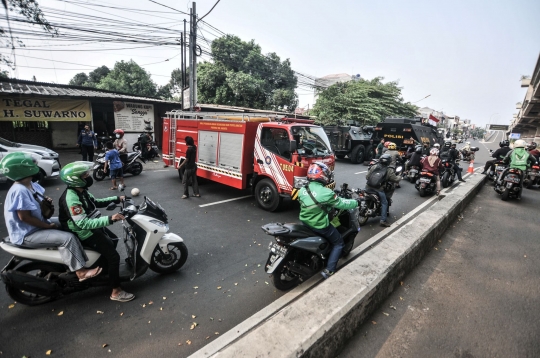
x,y
318,323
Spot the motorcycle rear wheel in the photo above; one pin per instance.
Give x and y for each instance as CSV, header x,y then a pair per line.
x,y
167,263
347,248
422,192
362,220
136,169
99,174
505,195
38,269
282,279
445,180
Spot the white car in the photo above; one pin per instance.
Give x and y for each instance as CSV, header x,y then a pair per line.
x,y
46,159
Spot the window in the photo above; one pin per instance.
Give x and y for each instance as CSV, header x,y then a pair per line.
x,y
277,141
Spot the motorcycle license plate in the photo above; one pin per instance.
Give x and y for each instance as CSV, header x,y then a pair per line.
x,y
277,249
425,180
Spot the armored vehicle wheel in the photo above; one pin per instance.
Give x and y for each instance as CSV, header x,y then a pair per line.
x,y
357,154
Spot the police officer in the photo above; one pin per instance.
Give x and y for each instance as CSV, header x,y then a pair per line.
x,y
88,142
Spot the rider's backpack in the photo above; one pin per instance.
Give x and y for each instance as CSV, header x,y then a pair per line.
x,y
377,177
445,155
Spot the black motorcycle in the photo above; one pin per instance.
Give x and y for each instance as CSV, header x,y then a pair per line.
x,y
413,173
132,165
298,253
448,176
150,152
426,184
509,186
532,177
370,203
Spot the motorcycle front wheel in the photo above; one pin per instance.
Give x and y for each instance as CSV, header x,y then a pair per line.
x,y
505,195
445,180
167,263
99,174
37,269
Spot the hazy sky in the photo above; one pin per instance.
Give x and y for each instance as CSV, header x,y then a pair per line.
x,y
468,55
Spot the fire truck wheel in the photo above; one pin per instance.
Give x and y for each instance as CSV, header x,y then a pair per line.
x,y
267,195
357,155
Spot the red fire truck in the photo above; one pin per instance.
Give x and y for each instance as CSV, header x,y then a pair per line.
x,y
267,152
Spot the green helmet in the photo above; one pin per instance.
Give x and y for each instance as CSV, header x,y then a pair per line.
x,y
72,173
18,165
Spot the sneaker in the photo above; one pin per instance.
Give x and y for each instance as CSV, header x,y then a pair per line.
x,y
461,180
326,274
123,297
385,224
484,172
185,196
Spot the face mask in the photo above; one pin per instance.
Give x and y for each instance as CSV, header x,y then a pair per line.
x,y
89,181
118,136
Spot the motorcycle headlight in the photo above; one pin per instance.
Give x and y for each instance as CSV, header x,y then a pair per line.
x,y
160,224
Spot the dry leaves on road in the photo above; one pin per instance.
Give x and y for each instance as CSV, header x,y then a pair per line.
x,y
48,352
60,313
104,345
11,306
100,312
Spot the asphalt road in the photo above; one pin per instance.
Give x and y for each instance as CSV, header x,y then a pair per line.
x,y
475,295
222,283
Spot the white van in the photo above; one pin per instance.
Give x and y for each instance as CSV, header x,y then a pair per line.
x,y
47,160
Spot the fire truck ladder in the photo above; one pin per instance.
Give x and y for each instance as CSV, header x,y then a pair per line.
x,y
172,141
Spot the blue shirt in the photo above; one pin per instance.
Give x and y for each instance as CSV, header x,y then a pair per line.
x,y
114,159
20,198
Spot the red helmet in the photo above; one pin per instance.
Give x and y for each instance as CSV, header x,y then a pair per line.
x,y
386,144
320,172
119,131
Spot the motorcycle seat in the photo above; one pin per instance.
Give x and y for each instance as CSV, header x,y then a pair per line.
x,y
291,229
22,246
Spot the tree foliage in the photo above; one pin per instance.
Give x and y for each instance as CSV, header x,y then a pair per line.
x,y
90,80
80,79
173,88
240,75
364,101
31,11
128,77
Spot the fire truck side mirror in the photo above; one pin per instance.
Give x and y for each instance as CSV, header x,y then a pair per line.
x,y
293,146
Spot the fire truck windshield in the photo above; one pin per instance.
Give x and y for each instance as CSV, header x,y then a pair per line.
x,y
311,140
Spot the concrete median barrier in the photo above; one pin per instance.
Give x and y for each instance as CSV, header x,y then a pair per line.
x,y
319,322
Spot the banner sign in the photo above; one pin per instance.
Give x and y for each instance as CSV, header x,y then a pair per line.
x,y
133,117
498,127
515,135
19,108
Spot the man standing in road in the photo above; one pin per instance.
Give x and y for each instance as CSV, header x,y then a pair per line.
x,y
377,177
88,142
380,148
453,156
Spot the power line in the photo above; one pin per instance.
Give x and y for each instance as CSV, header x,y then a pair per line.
x,y
217,2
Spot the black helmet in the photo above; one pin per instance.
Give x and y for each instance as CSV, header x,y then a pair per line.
x,y
504,143
448,144
418,149
533,145
385,159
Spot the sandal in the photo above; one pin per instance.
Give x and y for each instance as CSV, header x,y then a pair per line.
x,y
197,196
123,297
91,273
438,192
113,188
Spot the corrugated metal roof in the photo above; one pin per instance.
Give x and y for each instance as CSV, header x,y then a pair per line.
x,y
51,89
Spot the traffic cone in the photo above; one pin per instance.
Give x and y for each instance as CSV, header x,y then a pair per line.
x,y
471,167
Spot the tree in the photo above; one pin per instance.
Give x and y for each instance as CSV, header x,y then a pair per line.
x,y
362,101
173,88
240,75
79,79
95,77
128,77
31,11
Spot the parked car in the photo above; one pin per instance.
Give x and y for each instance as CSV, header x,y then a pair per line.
x,y
46,159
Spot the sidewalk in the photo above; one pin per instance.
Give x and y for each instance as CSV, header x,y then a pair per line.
x,y
476,294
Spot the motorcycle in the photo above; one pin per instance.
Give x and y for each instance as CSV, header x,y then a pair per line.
x,y
509,186
468,155
151,152
426,184
148,244
370,203
101,140
532,177
132,165
448,175
298,253
413,173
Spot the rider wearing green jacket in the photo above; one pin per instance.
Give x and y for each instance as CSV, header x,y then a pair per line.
x,y
314,210
520,159
78,211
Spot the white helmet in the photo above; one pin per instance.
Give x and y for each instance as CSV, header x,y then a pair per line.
x,y
437,145
468,143
520,143
434,151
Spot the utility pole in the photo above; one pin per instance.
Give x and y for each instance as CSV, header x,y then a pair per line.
x,y
193,57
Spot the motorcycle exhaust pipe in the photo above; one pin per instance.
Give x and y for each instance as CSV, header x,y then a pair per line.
x,y
29,283
300,270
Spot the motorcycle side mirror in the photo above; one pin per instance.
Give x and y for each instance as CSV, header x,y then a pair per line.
x,y
111,207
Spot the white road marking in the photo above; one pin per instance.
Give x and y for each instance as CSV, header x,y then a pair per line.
x,y
365,171
161,170
225,201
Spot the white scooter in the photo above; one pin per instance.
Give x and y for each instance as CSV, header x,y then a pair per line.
x,y
147,240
